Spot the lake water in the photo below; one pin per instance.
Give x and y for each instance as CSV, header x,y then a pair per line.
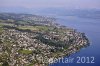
x,y
91,27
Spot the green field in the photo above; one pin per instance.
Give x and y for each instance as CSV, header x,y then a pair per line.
x,y
41,28
25,51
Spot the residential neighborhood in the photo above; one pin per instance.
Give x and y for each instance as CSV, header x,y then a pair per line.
x,y
28,40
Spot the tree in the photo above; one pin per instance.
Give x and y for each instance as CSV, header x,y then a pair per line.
x,y
5,63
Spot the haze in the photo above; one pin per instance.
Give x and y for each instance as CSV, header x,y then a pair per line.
x,y
79,4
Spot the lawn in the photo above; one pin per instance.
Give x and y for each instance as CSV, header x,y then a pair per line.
x,y
25,51
41,28
27,27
